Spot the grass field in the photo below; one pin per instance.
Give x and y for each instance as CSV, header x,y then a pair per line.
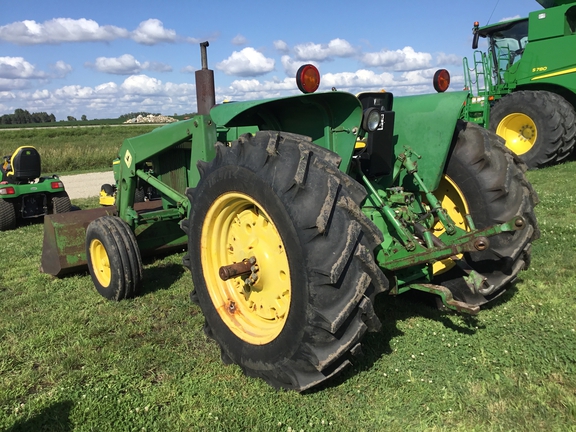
x,y
71,360
68,150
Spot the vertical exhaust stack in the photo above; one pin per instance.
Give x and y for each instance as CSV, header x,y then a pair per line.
x,y
205,93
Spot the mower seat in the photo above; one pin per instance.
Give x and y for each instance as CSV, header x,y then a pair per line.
x,y
24,165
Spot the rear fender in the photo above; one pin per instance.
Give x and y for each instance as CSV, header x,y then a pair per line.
x,y
426,124
331,119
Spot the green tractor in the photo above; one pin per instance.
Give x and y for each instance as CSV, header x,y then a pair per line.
x,y
297,212
24,194
524,86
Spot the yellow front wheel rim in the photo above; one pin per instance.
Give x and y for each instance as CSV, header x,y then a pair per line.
x,y
237,228
100,263
519,131
452,200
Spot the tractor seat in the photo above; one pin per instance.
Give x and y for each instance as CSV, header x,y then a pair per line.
x,y
24,165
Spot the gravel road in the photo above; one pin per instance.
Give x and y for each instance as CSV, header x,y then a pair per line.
x,y
86,185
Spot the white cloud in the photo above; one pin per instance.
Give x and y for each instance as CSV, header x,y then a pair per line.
x,y
18,68
126,65
246,63
448,59
399,60
510,18
361,79
291,67
157,67
239,40
151,32
60,69
322,52
281,46
59,30
188,69
142,85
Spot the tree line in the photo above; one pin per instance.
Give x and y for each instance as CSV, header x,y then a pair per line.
x,y
21,116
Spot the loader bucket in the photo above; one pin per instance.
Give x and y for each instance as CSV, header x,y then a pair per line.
x,y
63,248
64,245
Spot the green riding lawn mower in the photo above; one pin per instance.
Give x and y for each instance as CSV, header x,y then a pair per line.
x,y
297,211
24,194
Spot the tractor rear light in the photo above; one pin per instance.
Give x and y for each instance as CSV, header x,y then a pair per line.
x,y
371,119
7,191
56,185
308,78
490,98
441,80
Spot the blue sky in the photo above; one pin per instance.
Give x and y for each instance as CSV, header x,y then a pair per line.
x,y
106,58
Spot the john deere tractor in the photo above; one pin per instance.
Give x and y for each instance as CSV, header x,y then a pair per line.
x,y
297,211
524,86
24,194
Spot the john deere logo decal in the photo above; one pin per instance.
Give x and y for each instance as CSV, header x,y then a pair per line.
x,y
128,158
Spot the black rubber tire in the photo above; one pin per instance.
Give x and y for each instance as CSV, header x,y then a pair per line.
x,y
329,243
7,215
555,122
495,188
123,254
139,194
61,203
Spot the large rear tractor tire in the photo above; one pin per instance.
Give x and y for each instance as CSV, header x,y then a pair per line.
x,y
538,126
7,215
113,258
61,203
486,180
297,316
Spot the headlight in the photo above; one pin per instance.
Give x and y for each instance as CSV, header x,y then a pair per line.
x,y
371,119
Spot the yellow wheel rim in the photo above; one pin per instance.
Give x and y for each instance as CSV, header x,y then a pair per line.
x,y
452,200
100,263
237,228
519,131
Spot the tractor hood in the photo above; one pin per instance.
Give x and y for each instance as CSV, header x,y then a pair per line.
x,y
331,119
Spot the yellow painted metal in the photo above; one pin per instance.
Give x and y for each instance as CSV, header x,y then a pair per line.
x,y
519,131
106,200
236,228
453,201
100,263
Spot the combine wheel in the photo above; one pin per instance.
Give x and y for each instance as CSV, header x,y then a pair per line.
x,y
61,203
282,259
539,126
113,258
7,215
485,179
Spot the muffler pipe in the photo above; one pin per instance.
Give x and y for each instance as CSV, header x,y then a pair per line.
x,y
205,92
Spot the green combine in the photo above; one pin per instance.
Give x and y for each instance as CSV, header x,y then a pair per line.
x,y
297,212
524,86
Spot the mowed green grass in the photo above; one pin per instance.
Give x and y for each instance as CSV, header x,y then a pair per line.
x,y
72,149
70,360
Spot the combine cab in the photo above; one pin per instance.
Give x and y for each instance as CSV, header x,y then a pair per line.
x,y
296,212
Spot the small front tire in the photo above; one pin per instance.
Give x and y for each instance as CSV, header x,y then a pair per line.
x,y
113,258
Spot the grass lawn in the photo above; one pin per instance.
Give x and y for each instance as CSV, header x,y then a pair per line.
x,y
70,360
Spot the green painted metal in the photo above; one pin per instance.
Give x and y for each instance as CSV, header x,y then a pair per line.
x,y
332,119
533,53
426,124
